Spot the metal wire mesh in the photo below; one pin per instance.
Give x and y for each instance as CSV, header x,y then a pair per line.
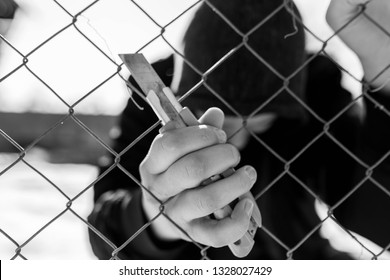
x,y
71,116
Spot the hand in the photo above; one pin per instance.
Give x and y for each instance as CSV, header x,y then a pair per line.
x,y
366,39
177,163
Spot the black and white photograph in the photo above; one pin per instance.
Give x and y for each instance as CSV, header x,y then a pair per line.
x,y
195,130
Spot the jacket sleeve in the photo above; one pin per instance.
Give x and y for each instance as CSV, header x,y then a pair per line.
x,y
329,132
348,165
346,157
117,217
367,207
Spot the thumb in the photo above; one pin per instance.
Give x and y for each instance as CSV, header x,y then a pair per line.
x,y
214,117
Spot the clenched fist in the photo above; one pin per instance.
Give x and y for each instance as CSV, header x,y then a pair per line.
x,y
178,162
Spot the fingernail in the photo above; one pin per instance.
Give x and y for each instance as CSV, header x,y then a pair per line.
x,y
251,172
221,135
248,207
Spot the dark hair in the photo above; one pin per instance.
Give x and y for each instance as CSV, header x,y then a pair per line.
x,y
244,79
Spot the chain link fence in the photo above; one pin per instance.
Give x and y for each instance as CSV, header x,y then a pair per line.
x,y
23,151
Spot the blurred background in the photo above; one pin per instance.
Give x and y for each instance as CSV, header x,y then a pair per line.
x,y
61,56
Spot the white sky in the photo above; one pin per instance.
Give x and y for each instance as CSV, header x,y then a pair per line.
x,y
72,67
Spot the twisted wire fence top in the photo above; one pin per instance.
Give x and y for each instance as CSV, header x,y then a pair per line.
x,y
76,20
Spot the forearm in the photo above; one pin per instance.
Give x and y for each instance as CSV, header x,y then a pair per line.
x,y
106,219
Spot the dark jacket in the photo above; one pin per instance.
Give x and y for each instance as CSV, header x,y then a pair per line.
x,y
334,155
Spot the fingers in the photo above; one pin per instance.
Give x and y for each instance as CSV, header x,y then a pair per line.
x,y
342,11
256,215
213,117
203,201
172,145
191,170
190,210
218,233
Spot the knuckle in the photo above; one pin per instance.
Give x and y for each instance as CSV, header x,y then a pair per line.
x,y
151,189
146,177
206,135
195,167
169,143
151,195
206,204
156,187
142,167
147,195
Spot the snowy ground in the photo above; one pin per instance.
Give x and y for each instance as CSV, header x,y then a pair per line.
x,y
28,202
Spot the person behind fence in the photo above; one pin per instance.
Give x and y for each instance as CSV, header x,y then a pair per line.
x,y
305,140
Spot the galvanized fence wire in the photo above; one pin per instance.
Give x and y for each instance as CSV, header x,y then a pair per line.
x,y
72,117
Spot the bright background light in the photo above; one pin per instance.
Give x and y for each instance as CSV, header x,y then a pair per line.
x,y
72,67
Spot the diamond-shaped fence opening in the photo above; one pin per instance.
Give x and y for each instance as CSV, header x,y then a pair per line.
x,y
73,86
